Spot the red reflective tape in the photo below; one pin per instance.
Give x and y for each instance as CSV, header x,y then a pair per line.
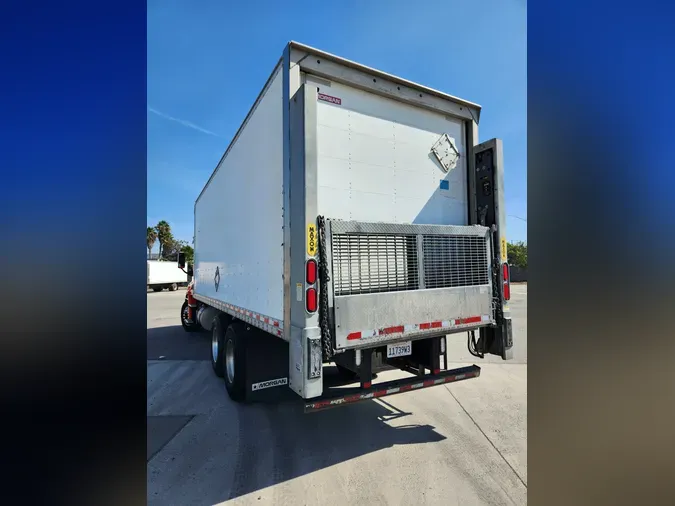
x,y
429,383
380,393
276,324
354,335
405,388
435,325
367,384
471,319
425,326
353,398
267,320
393,330
436,371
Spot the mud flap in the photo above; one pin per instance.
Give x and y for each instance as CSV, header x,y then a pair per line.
x,y
497,340
266,367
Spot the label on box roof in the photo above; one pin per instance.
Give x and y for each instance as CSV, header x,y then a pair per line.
x,y
328,98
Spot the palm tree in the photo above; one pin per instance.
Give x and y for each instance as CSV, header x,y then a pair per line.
x,y
150,241
164,235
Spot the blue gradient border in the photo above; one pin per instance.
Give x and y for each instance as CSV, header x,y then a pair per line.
x,y
73,162
601,235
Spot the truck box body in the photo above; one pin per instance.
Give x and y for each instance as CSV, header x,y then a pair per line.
x,y
379,169
374,164
164,273
239,215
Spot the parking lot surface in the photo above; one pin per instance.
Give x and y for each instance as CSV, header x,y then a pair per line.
x,y
464,443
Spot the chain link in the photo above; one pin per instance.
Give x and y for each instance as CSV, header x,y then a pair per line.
x,y
324,278
496,283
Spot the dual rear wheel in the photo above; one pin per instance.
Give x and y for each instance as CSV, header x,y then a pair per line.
x,y
228,354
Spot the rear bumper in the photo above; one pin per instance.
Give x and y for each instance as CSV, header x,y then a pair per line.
x,y
353,395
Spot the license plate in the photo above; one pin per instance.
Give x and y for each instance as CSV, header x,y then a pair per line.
x,y
399,349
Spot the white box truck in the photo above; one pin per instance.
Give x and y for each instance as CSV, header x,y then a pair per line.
x,y
164,274
353,220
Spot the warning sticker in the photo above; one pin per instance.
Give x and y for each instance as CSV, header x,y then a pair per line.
x,y
311,239
503,249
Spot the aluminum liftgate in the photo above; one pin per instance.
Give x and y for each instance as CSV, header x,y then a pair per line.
x,y
390,283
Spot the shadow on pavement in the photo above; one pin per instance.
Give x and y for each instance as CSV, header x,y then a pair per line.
x,y
305,443
275,441
173,343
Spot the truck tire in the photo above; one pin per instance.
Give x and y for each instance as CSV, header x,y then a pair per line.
x,y
157,288
173,287
234,361
217,346
188,326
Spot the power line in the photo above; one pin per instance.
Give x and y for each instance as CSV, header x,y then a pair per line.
x,y
518,217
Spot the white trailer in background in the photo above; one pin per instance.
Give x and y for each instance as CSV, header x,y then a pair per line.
x,y
356,220
162,274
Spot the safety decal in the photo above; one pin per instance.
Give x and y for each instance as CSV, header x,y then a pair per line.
x,y
311,239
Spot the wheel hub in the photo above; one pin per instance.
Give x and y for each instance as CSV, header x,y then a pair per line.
x,y
229,361
214,345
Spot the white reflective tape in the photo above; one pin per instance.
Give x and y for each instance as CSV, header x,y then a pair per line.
x,y
485,318
410,328
446,323
392,391
368,333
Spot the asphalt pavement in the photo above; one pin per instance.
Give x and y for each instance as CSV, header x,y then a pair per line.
x,y
464,443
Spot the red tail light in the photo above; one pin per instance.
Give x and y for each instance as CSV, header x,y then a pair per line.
x,y
506,281
311,300
311,272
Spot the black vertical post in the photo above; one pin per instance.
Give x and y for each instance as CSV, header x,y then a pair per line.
x,y
366,368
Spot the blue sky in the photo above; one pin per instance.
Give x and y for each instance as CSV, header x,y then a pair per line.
x,y
208,60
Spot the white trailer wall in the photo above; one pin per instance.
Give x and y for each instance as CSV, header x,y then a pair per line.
x,y
238,217
375,162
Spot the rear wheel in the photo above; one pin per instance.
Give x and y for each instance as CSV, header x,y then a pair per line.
x,y
217,345
188,326
173,287
157,288
234,361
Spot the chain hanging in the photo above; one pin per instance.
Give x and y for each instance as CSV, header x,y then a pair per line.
x,y
324,278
